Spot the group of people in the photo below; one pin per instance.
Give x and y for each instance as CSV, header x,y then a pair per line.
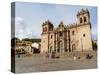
x,y
51,55
88,56
75,57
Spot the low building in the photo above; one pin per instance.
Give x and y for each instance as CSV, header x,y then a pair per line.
x,y
23,47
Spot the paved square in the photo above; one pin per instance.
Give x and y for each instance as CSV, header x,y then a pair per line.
x,y
41,64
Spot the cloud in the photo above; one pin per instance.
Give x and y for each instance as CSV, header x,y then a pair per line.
x,y
21,29
29,23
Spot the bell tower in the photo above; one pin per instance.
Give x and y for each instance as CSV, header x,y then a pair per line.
x,y
84,30
47,26
83,16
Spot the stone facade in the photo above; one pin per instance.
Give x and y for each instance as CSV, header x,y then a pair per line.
x,y
67,38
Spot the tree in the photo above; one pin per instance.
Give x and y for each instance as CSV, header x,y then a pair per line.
x,y
32,40
94,44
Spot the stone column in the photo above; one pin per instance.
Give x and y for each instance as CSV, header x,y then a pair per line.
x,y
55,42
69,40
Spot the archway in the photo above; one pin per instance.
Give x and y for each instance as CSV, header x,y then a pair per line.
x,y
51,49
73,47
61,46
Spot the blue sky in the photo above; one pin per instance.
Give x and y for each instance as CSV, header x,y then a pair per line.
x,y
30,16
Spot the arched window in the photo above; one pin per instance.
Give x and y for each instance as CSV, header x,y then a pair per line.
x,y
51,28
51,36
80,20
51,49
83,35
85,19
73,32
73,47
60,33
45,29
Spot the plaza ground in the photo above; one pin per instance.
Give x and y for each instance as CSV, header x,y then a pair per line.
x,y
38,63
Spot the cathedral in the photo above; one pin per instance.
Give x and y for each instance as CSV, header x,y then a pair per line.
x,y
67,38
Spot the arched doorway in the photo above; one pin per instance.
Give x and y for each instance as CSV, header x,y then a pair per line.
x,y
51,49
61,46
73,47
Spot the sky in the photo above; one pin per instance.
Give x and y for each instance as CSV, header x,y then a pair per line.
x,y
30,16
